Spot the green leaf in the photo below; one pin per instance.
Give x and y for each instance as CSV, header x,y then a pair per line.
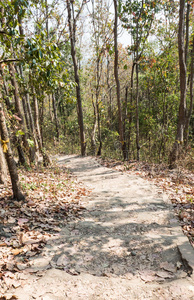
x,y
110,52
119,7
30,143
19,132
29,43
125,67
40,54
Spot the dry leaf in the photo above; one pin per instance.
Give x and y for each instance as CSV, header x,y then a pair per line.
x,y
22,221
147,276
10,266
21,266
11,220
3,244
16,251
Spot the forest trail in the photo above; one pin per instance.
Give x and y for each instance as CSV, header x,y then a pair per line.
x,y
123,247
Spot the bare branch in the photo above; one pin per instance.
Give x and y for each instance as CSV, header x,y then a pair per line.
x,y
9,60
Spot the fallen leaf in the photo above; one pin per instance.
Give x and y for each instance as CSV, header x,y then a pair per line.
x,y
3,244
21,266
11,220
22,221
147,276
16,251
10,266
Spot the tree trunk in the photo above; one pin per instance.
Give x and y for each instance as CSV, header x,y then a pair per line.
x,y
177,146
76,75
17,194
125,119
99,129
93,135
118,83
137,111
19,111
55,116
36,118
97,103
3,168
190,109
24,103
110,93
46,158
6,92
130,110
31,122
47,28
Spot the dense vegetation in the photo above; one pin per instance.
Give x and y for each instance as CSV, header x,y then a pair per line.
x,y
67,82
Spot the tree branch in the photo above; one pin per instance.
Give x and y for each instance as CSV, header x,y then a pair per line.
x,y
9,60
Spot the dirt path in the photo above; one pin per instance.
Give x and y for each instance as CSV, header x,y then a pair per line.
x,y
123,247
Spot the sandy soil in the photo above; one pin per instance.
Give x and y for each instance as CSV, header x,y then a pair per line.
x,y
122,247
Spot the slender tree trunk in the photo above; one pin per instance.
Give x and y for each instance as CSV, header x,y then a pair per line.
x,y
6,91
47,28
3,168
177,146
118,83
41,118
137,111
187,32
76,75
125,118
97,104
130,110
33,130
190,109
137,91
24,103
183,74
55,116
99,130
46,158
19,113
93,135
110,93
17,194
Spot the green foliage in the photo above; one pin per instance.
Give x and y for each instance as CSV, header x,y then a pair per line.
x,y
19,133
30,143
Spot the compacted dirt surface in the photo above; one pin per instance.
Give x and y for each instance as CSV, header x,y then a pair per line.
x,y
125,244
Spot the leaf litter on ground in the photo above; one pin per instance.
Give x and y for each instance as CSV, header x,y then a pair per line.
x,y
53,198
178,184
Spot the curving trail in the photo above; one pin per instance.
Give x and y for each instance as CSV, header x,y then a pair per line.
x,y
123,247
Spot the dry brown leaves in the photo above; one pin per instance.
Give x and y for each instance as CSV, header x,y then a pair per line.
x,y
53,197
177,183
